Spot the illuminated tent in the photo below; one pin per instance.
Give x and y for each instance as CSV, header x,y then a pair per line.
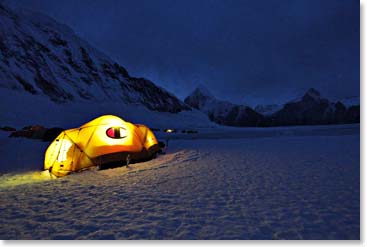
x,y
101,141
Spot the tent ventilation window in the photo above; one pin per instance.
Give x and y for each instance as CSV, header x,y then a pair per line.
x,y
116,132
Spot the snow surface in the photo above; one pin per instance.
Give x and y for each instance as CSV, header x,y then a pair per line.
x,y
225,183
351,101
19,109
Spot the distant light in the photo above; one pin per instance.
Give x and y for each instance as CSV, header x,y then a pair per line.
x,y
169,130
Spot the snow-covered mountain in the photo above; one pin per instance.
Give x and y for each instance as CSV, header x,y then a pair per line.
x,y
222,112
351,101
267,110
310,109
313,109
42,57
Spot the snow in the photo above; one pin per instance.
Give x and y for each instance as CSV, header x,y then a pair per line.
x,y
38,109
313,93
20,154
203,90
203,100
268,110
351,101
41,56
222,183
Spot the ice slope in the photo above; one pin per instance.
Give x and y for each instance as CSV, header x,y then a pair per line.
x,y
19,109
291,183
50,76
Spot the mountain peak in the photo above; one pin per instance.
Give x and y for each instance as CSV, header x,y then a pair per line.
x,y
313,93
202,90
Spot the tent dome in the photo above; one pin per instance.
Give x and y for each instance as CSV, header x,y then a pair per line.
x,y
103,140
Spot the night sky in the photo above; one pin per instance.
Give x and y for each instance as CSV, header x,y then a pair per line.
x,y
244,51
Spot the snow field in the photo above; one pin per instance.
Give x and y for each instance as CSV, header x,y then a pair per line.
x,y
277,187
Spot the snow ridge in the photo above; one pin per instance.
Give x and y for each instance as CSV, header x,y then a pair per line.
x,y
220,111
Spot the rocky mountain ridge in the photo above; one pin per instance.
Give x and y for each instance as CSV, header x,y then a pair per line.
x,y
43,57
310,109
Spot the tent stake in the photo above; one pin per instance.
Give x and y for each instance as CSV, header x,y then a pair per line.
x,y
127,160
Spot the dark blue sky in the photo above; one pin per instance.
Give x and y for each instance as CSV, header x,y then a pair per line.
x,y
244,51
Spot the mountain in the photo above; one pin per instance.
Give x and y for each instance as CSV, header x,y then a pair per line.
x,y
267,110
313,109
310,109
351,101
42,57
223,112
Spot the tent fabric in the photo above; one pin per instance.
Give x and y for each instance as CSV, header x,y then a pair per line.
x,y
103,140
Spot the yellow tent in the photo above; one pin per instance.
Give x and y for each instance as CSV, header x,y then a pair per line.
x,y
103,140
